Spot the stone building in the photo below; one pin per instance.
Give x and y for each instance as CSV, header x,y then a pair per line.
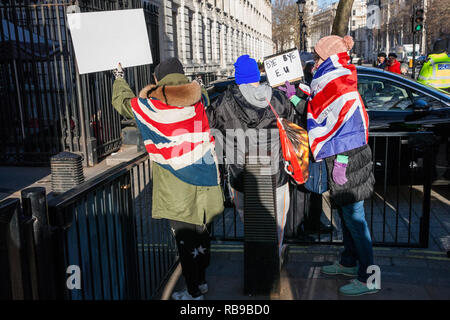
x,y
320,24
358,28
393,29
209,35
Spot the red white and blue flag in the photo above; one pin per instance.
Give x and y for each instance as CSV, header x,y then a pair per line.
x,y
179,139
337,119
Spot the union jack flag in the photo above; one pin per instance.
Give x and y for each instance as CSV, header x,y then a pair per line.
x,y
337,119
179,139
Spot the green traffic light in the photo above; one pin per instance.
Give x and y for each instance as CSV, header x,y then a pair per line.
x,y
418,28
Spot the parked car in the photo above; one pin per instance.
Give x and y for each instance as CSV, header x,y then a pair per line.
x,y
396,104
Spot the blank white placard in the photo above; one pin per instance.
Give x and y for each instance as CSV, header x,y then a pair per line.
x,y
103,39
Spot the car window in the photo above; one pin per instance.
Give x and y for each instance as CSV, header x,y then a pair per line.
x,y
421,98
382,95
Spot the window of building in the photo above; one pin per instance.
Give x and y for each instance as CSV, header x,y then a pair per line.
x,y
189,36
175,33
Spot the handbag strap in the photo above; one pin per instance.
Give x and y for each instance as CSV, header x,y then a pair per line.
x,y
273,109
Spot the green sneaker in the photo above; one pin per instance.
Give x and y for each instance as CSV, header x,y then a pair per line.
x,y
337,268
356,288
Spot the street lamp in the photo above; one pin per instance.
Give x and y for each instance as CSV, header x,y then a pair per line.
x,y
301,8
304,36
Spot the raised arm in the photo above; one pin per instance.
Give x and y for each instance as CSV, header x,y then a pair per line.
x,y
122,94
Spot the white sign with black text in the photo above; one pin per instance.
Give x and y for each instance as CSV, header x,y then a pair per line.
x,y
284,67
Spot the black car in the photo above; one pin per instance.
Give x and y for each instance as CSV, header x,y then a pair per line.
x,y
395,102
398,104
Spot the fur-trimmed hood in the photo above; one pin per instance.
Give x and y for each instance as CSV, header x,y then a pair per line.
x,y
173,92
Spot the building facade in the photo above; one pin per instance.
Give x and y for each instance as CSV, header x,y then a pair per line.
x,y
358,28
393,27
320,25
208,35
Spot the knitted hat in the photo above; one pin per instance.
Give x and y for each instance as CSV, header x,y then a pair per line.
x,y
172,65
246,70
331,45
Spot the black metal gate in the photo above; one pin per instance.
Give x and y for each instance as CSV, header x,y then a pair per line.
x,y
47,107
398,214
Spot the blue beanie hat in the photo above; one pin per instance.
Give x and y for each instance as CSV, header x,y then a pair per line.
x,y
246,70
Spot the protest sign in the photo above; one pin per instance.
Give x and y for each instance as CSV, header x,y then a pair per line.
x,y
103,39
283,67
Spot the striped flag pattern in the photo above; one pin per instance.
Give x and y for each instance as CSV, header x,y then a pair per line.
x,y
337,120
179,139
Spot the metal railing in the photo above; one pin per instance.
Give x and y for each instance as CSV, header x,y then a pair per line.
x,y
101,232
47,106
398,214
104,228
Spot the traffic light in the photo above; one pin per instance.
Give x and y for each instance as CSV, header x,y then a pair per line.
x,y
418,20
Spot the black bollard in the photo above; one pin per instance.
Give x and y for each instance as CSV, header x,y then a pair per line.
x,y
261,259
41,249
11,287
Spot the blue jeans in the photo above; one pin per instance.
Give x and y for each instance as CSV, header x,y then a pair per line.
x,y
357,240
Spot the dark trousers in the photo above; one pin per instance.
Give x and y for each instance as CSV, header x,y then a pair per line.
x,y
194,246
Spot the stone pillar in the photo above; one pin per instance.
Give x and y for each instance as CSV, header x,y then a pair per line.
x,y
182,20
229,39
195,41
222,46
215,55
205,37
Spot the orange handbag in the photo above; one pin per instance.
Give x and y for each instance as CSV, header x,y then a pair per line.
x,y
295,148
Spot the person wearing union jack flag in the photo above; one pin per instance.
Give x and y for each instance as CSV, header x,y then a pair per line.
x,y
171,118
337,124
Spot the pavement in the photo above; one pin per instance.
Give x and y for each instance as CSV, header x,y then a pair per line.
x,y
411,274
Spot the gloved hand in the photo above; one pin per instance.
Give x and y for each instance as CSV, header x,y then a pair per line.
x,y
288,89
119,72
340,166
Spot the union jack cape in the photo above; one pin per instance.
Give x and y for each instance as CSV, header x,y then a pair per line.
x,y
179,139
337,120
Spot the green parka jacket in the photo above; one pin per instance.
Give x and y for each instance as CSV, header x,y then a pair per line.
x,y
172,198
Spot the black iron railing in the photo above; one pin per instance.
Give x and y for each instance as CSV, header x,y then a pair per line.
x,y
97,242
102,231
398,214
47,106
